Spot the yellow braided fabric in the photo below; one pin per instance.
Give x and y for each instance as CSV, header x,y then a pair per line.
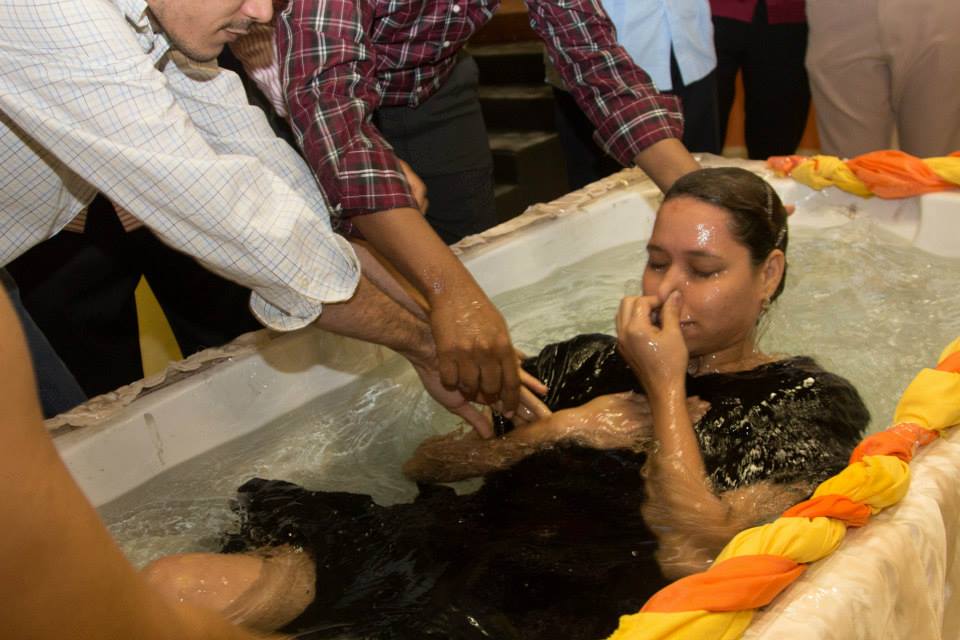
x,y
723,598
888,174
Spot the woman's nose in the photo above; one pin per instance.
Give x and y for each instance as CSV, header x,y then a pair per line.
x,y
672,281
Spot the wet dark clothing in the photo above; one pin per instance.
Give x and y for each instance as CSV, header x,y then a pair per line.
x,y
555,546
783,421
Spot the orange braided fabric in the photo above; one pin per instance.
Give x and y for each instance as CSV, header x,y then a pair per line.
x,y
760,562
887,174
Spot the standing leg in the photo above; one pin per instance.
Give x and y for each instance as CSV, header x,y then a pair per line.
x,y
445,141
925,62
849,77
586,161
59,391
776,88
78,287
730,38
701,122
203,308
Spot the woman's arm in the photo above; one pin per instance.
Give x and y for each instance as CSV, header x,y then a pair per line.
x,y
63,574
689,531
618,421
691,522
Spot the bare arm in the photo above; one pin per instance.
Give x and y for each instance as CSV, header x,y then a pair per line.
x,y
618,421
474,349
691,537
376,317
665,161
692,523
458,455
373,316
63,572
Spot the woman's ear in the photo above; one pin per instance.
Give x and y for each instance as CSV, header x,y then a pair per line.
x,y
772,272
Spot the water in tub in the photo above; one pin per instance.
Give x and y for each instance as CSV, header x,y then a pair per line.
x,y
865,304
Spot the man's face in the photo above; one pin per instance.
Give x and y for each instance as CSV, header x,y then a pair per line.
x,y
200,28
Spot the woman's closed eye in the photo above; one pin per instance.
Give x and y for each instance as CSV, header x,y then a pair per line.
x,y
658,267
704,274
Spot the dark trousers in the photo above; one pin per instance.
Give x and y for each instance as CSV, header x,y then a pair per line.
x,y
79,289
777,92
444,140
587,162
57,388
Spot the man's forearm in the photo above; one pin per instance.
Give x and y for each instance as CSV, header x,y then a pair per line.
x,y
372,316
666,161
405,238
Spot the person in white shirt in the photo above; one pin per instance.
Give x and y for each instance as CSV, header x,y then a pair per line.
x,y
99,97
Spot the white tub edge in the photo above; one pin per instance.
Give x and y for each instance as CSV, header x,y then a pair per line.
x,y
169,426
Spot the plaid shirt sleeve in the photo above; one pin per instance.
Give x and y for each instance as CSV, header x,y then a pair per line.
x,y
328,71
616,94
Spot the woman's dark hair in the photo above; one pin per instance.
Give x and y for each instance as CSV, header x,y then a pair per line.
x,y
759,219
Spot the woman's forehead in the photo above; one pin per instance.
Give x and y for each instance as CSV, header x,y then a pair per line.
x,y
691,225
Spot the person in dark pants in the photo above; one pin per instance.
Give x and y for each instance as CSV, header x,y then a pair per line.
x,y
79,289
57,388
459,179
767,41
587,162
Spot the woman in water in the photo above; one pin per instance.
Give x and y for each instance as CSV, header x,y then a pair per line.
x,y
653,450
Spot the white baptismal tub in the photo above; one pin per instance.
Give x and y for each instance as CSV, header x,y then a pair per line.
x,y
895,578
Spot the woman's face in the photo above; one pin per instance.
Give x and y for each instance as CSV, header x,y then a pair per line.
x,y
693,251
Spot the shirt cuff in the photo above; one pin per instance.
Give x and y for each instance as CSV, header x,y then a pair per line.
x,y
631,130
371,180
291,310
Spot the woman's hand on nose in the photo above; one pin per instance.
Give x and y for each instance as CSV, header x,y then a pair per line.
x,y
658,355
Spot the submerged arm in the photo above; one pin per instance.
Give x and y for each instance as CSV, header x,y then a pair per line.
x,y
618,421
691,537
458,455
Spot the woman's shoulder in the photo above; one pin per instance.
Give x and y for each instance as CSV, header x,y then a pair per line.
x,y
792,383
801,368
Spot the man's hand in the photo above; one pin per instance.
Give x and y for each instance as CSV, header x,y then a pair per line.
x,y
474,351
473,347
452,400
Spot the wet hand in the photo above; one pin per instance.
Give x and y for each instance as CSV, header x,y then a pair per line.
x,y
658,355
531,408
474,351
452,400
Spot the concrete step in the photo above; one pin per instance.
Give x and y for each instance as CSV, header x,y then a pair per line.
x,y
511,63
510,201
515,106
531,160
509,24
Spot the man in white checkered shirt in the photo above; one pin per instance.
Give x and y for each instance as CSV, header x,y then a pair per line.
x,y
99,96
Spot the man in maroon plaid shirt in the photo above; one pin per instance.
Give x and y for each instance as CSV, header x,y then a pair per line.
x,y
368,82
